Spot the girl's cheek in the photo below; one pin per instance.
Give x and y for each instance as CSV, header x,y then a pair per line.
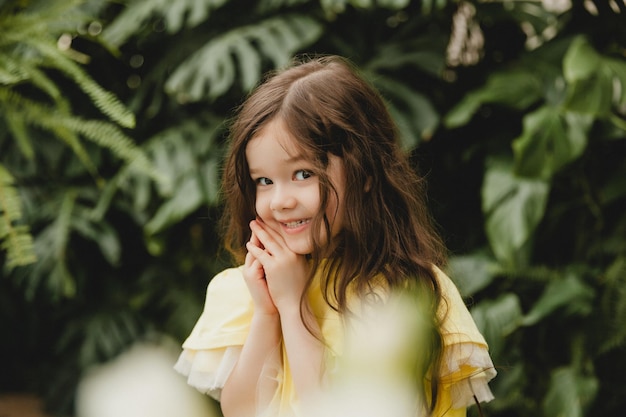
x,y
261,208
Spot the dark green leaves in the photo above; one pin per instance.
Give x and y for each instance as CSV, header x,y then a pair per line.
x,y
472,273
597,83
518,88
570,393
175,14
569,292
513,207
550,140
497,319
212,70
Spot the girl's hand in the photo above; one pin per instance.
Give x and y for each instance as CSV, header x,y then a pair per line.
x,y
254,275
286,272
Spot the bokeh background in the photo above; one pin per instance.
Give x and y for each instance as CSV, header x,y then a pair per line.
x,y
112,123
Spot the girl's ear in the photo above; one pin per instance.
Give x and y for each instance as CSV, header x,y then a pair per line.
x,y
368,184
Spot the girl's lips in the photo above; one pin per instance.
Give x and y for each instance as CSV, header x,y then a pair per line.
x,y
295,225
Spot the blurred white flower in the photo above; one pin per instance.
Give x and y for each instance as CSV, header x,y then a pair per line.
x,y
140,383
379,372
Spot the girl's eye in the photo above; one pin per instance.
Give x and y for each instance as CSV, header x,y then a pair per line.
x,y
302,175
263,181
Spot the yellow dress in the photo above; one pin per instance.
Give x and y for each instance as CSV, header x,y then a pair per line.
x,y
211,350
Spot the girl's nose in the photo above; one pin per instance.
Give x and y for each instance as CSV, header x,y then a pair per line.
x,y
282,199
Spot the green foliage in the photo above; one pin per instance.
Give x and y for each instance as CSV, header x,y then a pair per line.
x,y
497,319
176,15
415,114
210,72
570,393
550,140
614,304
513,207
517,88
473,273
27,48
597,83
16,239
31,54
190,166
569,292
553,235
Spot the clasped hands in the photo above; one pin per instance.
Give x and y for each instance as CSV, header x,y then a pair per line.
x,y
275,275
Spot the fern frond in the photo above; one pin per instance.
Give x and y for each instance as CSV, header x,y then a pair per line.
x,y
10,71
51,246
210,72
15,239
102,133
29,39
72,140
176,14
106,101
15,70
111,137
21,111
108,136
17,127
48,18
9,201
190,166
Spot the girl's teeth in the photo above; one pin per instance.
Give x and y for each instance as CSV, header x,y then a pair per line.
x,y
296,223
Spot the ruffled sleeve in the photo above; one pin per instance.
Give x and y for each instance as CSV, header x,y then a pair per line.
x,y
466,366
213,347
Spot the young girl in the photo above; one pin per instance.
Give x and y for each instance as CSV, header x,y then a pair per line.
x,y
325,217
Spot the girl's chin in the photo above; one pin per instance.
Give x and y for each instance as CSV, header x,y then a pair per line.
x,y
300,245
300,248
301,251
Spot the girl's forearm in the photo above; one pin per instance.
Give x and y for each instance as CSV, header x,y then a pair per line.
x,y
305,352
239,395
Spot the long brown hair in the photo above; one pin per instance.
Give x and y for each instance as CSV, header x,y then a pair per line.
x,y
387,232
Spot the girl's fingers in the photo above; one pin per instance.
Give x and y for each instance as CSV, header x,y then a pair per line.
x,y
256,252
251,262
255,241
249,259
267,237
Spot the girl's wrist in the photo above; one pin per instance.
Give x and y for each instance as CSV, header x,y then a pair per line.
x,y
295,311
266,316
289,306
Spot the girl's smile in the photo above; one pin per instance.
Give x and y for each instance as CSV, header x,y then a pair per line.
x,y
287,190
295,225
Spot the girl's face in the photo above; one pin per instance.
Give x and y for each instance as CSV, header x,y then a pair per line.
x,y
287,191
